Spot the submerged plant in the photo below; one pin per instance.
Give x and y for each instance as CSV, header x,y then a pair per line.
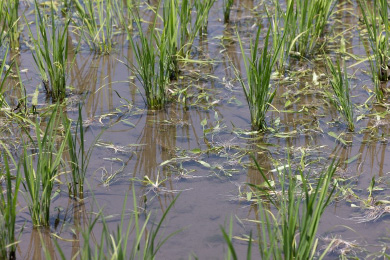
x,y
340,85
258,69
95,23
51,52
292,232
377,23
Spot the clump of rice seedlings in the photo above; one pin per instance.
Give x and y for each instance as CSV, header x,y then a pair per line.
x,y
180,31
280,33
79,157
3,80
41,169
123,14
258,69
203,8
291,233
376,20
8,202
95,24
2,23
151,54
10,21
307,23
51,52
340,85
145,242
227,6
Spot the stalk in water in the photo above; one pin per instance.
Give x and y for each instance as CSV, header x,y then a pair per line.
x,y
258,69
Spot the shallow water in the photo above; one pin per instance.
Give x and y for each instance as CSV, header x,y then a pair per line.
x,y
210,171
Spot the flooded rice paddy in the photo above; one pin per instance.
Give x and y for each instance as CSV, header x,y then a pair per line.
x,y
201,148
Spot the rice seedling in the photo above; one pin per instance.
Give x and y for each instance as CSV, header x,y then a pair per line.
x,y
79,157
292,232
95,23
307,23
203,8
10,9
258,68
152,59
40,174
227,6
145,243
280,33
8,212
180,31
3,80
2,23
376,21
340,85
51,52
123,14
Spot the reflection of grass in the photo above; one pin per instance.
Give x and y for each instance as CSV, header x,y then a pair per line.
x,y
258,70
377,23
51,52
340,86
292,232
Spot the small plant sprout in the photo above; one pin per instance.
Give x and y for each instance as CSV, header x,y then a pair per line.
x,y
258,69
340,85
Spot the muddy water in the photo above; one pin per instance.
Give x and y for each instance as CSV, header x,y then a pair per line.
x,y
210,169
